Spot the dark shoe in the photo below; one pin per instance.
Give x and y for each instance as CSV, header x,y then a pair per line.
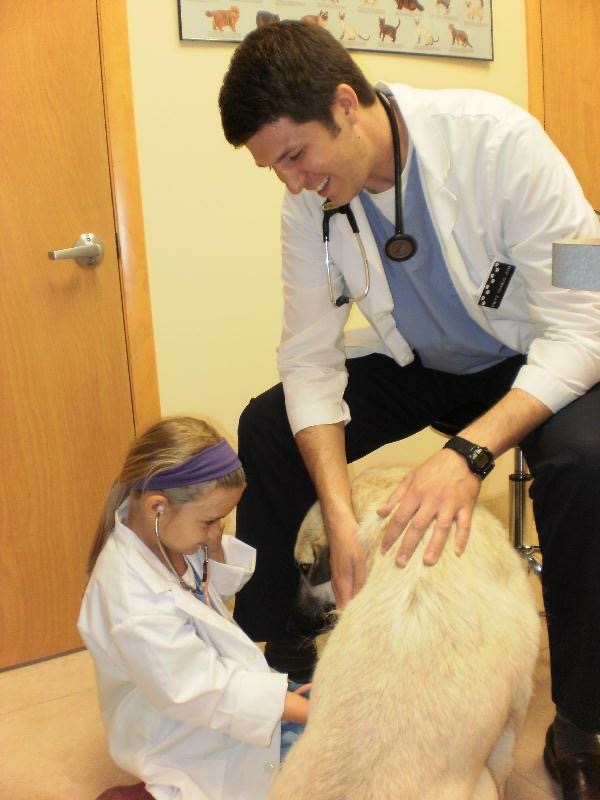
x,y
572,757
297,657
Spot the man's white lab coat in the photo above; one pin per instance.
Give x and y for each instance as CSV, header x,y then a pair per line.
x,y
497,189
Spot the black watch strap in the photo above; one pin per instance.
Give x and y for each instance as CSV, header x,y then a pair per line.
x,y
479,459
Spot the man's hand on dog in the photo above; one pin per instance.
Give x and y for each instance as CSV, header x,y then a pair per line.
x,y
442,491
348,563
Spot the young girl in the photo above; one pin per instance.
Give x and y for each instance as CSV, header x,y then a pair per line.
x,y
188,700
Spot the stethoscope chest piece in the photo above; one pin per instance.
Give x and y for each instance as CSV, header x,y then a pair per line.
x,y
401,247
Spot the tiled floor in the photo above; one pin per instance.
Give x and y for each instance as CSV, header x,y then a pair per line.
x,y
52,744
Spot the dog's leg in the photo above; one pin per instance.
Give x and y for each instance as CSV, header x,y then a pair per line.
x,y
500,760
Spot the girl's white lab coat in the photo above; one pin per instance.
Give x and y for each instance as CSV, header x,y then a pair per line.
x,y
188,700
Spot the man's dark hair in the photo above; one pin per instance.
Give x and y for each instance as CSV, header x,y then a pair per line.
x,y
286,69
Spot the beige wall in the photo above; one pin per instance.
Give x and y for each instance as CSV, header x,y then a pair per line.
x,y
211,217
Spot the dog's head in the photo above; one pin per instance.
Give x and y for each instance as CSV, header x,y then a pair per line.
x,y
314,607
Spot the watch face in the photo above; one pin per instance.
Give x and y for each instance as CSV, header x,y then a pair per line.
x,y
480,459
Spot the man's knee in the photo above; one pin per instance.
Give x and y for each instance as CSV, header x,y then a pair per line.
x,y
584,455
262,413
577,455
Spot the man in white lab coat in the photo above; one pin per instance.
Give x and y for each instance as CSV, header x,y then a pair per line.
x,y
470,324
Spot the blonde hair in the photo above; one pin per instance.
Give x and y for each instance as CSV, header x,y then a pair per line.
x,y
166,444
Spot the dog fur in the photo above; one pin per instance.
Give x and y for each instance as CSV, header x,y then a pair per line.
x,y
424,682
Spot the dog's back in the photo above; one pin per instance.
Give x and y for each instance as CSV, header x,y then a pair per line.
x,y
426,677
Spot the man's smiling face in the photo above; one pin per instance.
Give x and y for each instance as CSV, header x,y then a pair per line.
x,y
311,156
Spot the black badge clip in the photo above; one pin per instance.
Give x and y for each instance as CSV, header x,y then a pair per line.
x,y
496,285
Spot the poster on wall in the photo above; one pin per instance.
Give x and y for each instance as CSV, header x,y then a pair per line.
x,y
455,28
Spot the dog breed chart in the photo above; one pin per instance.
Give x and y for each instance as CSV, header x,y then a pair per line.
x,y
455,28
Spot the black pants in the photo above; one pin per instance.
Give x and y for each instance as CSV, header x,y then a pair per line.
x,y
389,403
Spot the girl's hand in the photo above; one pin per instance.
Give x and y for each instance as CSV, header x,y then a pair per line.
x,y
214,541
295,708
303,689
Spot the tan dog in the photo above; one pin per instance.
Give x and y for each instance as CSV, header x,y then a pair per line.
x,y
316,19
474,9
223,17
424,682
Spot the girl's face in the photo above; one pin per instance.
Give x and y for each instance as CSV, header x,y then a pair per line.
x,y
185,528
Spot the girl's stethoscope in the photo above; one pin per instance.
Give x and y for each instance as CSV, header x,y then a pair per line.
x,y
200,590
399,247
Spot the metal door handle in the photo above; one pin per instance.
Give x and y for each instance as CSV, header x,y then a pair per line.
x,y
87,250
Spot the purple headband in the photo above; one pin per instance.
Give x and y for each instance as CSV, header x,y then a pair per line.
x,y
213,462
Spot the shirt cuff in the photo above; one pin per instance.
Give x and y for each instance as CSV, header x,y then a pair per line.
x,y
240,560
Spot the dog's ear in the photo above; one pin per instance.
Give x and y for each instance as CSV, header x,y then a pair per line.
x,y
370,490
311,536
373,487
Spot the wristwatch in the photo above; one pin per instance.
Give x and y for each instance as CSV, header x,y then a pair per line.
x,y
479,459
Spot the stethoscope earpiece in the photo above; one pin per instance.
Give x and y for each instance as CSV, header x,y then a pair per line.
x,y
401,247
169,564
328,211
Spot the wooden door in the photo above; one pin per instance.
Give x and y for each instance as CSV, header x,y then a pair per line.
x,y
564,83
66,413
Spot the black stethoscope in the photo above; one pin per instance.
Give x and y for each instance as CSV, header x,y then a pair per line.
x,y
400,246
